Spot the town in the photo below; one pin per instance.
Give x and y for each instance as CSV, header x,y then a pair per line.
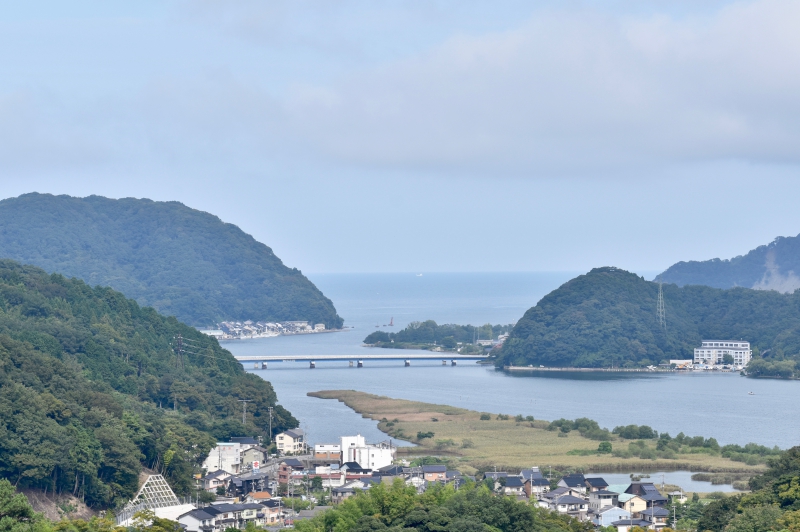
x,y
247,486
241,330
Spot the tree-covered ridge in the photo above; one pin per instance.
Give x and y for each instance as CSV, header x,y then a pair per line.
x,y
608,317
422,334
91,390
773,266
473,508
181,261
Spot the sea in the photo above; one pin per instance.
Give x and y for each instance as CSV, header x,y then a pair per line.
x,y
709,405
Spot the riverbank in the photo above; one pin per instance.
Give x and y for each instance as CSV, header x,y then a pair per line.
x,y
479,444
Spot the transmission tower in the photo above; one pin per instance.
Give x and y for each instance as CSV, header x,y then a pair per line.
x,y
179,351
661,315
244,410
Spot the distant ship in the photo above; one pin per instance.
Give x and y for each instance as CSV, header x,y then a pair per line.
x,y
419,275
391,323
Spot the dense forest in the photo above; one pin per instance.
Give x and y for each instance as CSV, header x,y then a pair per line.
x,y
473,508
608,317
773,266
92,390
424,334
183,262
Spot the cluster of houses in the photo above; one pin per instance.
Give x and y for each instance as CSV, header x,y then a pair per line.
x,y
238,330
247,482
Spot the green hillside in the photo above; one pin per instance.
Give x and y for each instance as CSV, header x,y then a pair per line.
x,y
775,266
91,390
183,262
608,316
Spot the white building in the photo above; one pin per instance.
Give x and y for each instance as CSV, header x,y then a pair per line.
x,y
291,442
368,456
225,456
713,351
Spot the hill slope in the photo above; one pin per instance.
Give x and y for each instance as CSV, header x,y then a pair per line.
x,y
775,266
181,261
608,316
91,390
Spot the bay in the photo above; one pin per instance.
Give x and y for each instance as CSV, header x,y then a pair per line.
x,y
711,405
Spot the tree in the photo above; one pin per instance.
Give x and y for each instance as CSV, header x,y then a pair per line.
x,y
604,447
16,513
755,519
316,483
727,359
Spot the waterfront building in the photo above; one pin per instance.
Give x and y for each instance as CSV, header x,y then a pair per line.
x,y
712,352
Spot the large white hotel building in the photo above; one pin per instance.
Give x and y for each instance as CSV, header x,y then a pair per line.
x,y
712,352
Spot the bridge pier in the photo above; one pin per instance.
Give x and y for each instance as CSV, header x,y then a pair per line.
x,y
444,362
255,366
351,363
263,365
452,362
408,363
312,364
360,363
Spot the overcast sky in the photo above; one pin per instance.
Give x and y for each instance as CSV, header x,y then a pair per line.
x,y
355,136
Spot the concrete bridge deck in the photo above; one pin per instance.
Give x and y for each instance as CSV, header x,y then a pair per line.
x,y
453,359
291,358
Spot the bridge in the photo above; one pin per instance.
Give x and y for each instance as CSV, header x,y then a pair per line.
x,y
262,361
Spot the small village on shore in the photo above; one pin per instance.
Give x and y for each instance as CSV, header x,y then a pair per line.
x,y
247,486
248,329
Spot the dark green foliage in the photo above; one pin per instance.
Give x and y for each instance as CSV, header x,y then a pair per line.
x,y
588,428
604,447
181,261
778,259
440,509
91,390
635,432
774,503
16,513
428,333
608,317
424,435
485,417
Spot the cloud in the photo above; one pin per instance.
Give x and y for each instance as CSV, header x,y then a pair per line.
x,y
574,91
561,91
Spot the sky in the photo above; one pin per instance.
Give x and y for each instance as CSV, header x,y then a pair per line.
x,y
424,136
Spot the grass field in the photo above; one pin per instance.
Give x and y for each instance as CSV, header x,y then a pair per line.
x,y
480,445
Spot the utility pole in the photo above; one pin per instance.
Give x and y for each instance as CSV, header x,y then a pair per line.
x,y
244,410
270,424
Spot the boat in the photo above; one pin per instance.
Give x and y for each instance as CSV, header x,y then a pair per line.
x,y
750,393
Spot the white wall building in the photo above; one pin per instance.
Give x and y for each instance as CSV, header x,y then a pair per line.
x,y
225,456
712,352
368,456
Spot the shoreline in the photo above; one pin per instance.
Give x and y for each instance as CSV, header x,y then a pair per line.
x,y
480,443
617,370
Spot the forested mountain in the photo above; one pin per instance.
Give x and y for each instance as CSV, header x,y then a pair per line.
x,y
91,389
183,262
608,316
775,266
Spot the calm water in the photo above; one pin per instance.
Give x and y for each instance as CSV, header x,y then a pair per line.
x,y
708,405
